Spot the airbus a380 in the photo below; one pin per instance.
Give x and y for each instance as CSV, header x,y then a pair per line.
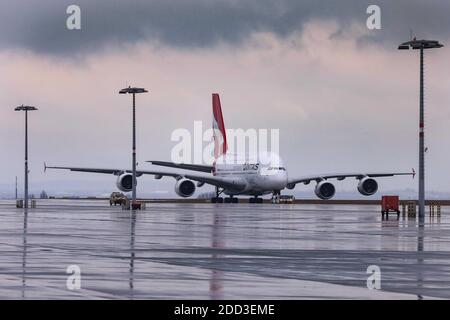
x,y
235,175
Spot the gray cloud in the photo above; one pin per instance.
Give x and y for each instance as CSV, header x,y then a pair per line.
x,y
39,26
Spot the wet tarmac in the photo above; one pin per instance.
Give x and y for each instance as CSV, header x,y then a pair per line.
x,y
222,251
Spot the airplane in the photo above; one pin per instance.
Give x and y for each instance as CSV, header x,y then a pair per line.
x,y
239,175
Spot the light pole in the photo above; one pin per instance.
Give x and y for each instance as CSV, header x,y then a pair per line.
x,y
26,109
133,91
421,45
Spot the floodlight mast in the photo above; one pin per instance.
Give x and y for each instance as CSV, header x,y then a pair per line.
x,y
133,91
421,45
26,109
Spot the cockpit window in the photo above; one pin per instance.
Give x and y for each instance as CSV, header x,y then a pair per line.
x,y
277,168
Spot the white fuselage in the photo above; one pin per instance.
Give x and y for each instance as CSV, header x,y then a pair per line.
x,y
262,174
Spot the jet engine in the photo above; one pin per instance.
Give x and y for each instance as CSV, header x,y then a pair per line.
x,y
325,190
124,182
185,188
367,186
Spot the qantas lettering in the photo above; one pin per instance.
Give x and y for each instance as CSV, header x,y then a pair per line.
x,y
250,167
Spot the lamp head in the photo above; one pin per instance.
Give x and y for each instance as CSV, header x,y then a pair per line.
x,y
132,90
420,44
25,108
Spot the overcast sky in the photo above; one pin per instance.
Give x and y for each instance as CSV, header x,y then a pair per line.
x,y
344,98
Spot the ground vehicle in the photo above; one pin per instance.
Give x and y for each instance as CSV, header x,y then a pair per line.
x,y
283,199
117,198
389,204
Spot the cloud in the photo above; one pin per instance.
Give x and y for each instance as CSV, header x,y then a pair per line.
x,y
40,26
342,96
352,110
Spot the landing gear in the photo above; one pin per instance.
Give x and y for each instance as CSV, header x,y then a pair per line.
x,y
276,197
231,199
217,198
255,199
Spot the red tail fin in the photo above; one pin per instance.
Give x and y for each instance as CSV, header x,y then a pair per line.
x,y
220,135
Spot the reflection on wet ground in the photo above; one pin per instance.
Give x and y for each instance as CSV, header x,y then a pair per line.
x,y
223,251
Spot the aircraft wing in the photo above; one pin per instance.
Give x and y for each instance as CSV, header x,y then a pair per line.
x,y
227,183
115,172
307,179
193,167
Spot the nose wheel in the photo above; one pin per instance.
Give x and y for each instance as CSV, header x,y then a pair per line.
x,y
276,196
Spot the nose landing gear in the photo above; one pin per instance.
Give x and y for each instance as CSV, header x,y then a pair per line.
x,y
276,196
